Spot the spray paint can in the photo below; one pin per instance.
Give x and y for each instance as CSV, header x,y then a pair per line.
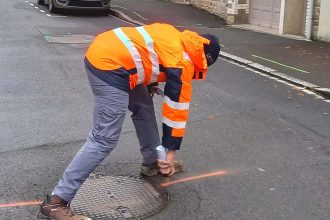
x,y
161,152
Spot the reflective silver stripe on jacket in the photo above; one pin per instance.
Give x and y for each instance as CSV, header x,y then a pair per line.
x,y
176,105
153,55
134,53
174,124
186,56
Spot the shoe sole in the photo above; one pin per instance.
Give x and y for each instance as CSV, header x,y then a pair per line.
x,y
149,174
178,166
42,216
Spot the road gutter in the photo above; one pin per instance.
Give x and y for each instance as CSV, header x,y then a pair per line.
x,y
324,92
123,16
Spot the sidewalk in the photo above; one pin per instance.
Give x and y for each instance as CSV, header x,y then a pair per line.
x,y
303,60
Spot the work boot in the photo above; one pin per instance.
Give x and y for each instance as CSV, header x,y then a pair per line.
x,y
56,208
150,169
168,169
153,169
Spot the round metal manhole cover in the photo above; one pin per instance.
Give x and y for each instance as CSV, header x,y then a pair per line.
x,y
119,197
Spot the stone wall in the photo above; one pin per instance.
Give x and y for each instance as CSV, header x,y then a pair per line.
x,y
316,18
233,11
237,11
217,7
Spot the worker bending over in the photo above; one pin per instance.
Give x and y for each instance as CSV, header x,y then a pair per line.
x,y
120,64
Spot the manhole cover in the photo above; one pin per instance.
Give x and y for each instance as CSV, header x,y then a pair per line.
x,y
118,197
70,39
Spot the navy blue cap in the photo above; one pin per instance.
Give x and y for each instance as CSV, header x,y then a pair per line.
x,y
211,50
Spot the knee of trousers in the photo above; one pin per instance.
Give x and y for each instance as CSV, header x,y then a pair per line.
x,y
104,143
142,110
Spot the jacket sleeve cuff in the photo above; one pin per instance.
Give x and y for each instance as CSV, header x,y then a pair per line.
x,y
168,141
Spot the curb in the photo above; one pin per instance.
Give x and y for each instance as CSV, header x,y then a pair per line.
x,y
123,16
324,92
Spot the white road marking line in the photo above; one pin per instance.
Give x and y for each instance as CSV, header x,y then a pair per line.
x,y
236,58
140,16
119,6
42,11
279,77
282,81
278,80
308,92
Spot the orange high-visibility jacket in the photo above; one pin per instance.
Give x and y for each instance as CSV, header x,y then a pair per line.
x,y
128,56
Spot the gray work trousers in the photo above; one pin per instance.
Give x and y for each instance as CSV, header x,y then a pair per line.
x,y
108,116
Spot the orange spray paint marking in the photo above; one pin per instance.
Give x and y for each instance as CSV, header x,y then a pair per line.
x,y
17,204
218,173
32,203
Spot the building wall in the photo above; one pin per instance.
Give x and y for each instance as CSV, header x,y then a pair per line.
x,y
316,18
237,12
294,19
324,21
217,7
233,11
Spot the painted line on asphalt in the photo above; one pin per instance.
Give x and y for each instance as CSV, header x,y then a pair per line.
x,y
286,82
118,6
44,12
203,176
281,64
137,14
19,204
166,184
316,90
122,16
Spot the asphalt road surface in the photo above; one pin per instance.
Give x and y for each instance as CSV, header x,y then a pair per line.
x,y
270,139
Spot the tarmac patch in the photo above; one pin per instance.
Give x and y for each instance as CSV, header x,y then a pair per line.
x,y
70,39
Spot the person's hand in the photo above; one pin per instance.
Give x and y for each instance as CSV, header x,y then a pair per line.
x,y
166,167
150,88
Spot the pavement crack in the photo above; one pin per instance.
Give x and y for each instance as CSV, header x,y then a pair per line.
x,y
51,145
291,121
42,146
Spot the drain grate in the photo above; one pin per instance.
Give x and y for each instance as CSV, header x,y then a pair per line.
x,y
118,197
70,39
